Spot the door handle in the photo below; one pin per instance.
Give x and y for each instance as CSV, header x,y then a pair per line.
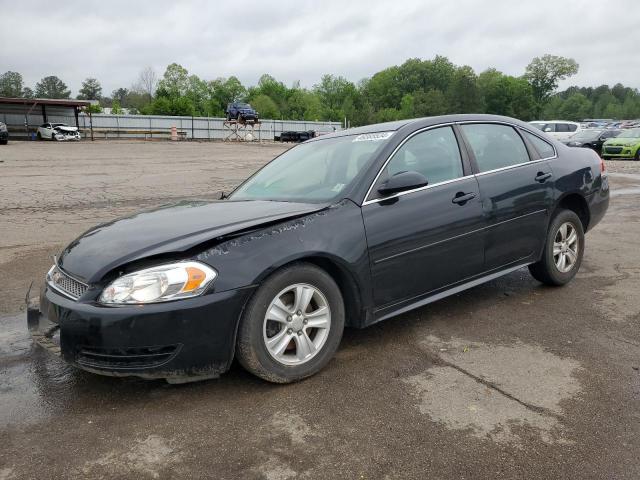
x,y
542,177
461,198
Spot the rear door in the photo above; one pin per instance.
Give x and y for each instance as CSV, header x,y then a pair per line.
x,y
516,190
424,239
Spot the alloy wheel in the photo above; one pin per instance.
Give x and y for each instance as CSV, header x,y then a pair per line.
x,y
565,247
296,324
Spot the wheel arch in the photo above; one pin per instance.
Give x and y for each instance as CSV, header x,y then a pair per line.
x,y
576,203
347,283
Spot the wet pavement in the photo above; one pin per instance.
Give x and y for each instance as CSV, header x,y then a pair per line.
x,y
508,380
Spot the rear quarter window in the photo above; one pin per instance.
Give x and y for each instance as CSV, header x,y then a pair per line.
x,y
544,148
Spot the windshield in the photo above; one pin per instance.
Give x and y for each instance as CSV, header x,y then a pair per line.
x,y
633,133
317,171
587,135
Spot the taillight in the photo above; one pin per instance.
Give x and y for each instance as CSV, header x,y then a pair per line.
x,y
603,167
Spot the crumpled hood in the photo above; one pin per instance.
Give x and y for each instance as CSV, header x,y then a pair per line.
x,y
168,229
66,129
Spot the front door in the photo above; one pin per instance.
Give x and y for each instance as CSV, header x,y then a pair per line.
x,y
428,238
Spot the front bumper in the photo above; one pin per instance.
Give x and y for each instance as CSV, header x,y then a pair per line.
x,y
67,136
618,151
179,341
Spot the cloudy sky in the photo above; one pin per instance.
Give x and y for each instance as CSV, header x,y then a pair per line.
x,y
301,40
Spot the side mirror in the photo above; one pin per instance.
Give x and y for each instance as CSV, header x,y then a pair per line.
x,y
402,181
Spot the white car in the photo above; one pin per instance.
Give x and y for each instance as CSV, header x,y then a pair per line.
x,y
57,131
559,129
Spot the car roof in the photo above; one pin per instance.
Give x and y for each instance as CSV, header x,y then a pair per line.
x,y
415,123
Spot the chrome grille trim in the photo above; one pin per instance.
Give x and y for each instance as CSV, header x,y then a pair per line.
x,y
65,284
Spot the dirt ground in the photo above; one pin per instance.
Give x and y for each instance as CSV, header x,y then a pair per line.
x,y
507,380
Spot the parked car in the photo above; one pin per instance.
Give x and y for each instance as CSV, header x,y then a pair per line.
x,y
558,129
591,138
242,112
292,136
57,131
4,134
347,229
625,145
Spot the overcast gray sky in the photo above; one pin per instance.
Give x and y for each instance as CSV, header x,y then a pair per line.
x,y
301,40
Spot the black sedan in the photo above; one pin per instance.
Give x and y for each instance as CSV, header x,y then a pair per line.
x,y
591,138
347,229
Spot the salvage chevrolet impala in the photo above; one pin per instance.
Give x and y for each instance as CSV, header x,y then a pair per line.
x,y
347,229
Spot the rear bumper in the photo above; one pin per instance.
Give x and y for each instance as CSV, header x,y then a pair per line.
x,y
598,203
179,341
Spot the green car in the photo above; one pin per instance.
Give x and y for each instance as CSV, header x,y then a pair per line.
x,y
625,145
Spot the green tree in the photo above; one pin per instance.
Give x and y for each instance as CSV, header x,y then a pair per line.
x,y
430,103
90,90
175,82
94,108
463,93
266,107
577,107
116,109
11,84
52,87
27,93
544,73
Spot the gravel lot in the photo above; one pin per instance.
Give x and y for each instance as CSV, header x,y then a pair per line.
x,y
507,380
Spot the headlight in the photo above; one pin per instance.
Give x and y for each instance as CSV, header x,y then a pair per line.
x,y
159,284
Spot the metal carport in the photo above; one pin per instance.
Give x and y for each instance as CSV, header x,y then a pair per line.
x,y
24,115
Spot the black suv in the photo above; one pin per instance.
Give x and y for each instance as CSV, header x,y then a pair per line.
x,y
242,112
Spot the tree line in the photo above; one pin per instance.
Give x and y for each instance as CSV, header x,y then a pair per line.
x,y
416,88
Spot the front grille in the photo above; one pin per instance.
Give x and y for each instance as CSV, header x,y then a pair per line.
x,y
123,358
65,284
613,149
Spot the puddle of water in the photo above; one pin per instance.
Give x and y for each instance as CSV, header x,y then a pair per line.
x,y
28,375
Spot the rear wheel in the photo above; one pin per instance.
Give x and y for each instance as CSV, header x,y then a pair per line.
x,y
292,326
563,250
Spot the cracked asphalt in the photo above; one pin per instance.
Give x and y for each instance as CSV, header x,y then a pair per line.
x,y
510,379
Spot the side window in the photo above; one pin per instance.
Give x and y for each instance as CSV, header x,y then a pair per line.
x,y
495,146
562,127
544,148
572,127
433,153
549,127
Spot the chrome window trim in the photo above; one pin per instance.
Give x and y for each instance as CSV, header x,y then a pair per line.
x,y
368,201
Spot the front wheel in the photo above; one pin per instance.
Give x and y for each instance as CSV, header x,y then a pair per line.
x,y
292,326
637,156
563,250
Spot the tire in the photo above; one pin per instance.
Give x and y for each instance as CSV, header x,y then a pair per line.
x,y
228,117
39,137
550,269
637,156
293,363
4,142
